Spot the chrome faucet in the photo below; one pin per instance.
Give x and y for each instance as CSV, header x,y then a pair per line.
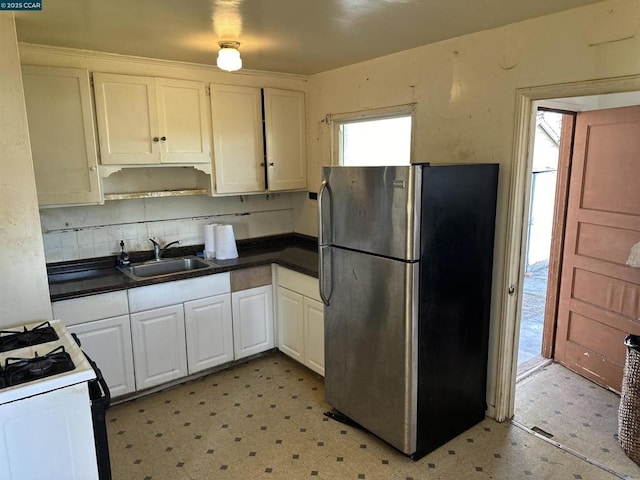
x,y
157,251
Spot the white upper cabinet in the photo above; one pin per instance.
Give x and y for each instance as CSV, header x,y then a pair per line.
x,y
236,120
245,121
62,135
184,121
284,127
146,120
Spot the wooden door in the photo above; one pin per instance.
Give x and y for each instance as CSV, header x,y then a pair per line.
x,y
599,294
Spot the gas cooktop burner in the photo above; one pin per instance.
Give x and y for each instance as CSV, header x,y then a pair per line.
x,y
14,339
22,370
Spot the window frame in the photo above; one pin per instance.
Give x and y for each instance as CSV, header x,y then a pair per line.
x,y
339,119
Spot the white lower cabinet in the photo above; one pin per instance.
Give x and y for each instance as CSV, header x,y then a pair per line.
x,y
313,320
290,324
159,346
108,343
101,322
252,321
180,327
300,319
209,332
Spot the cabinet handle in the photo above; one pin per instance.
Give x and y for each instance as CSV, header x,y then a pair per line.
x,y
156,139
262,164
163,138
93,169
271,164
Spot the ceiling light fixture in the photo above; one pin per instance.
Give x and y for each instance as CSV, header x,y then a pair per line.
x,y
229,56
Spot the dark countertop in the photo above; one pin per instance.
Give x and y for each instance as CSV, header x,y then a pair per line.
x,y
99,275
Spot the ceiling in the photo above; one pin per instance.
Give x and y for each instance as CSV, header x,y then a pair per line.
x,y
291,36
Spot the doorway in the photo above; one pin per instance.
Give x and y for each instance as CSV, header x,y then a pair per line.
x,y
551,145
570,97
554,401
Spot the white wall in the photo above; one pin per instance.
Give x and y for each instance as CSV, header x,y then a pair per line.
x,y
465,90
24,291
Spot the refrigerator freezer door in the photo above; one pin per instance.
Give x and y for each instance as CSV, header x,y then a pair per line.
x,y
372,209
371,343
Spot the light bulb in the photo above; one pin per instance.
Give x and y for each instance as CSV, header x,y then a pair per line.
x,y
229,57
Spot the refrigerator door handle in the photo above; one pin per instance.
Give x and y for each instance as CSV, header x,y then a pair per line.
x,y
322,277
322,244
321,209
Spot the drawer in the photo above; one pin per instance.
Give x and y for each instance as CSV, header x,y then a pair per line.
x,y
298,282
92,307
178,291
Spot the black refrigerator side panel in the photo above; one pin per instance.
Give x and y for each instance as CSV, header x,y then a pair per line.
x,y
457,234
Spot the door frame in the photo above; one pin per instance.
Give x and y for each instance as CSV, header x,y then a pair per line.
x,y
527,100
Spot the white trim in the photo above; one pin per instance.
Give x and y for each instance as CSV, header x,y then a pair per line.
x,y
373,113
518,206
335,120
157,62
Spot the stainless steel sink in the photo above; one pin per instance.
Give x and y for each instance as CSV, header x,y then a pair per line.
x,y
169,266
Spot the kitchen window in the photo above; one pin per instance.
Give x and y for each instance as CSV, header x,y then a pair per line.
x,y
374,137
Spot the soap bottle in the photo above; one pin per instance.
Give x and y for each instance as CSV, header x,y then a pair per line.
x,y
123,258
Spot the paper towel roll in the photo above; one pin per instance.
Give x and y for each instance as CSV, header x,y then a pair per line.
x,y
209,240
225,242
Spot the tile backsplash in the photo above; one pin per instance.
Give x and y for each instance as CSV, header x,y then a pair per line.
x,y
69,233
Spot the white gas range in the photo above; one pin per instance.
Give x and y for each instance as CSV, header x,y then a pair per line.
x,y
45,405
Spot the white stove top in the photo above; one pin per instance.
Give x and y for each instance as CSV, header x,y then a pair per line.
x,y
82,373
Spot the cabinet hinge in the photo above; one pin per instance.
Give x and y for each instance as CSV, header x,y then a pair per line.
x,y
91,79
207,91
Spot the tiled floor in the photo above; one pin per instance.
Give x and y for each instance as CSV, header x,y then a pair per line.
x,y
264,419
577,413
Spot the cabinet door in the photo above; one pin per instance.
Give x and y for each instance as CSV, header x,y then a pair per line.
x,y
284,117
314,335
62,136
159,348
126,110
183,121
252,321
236,121
108,343
290,325
209,332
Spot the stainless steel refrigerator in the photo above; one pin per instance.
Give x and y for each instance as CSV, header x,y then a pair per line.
x,y
406,255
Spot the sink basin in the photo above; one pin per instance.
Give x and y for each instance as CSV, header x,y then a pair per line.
x,y
169,266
